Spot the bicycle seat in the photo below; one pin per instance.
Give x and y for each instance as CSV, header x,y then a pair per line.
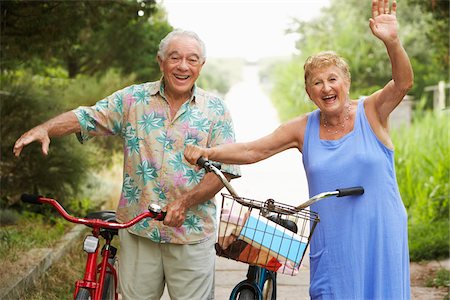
x,y
104,215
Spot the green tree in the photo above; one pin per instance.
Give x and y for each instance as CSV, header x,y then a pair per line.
x,y
84,37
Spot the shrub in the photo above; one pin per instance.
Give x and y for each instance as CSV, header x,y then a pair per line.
x,y
422,164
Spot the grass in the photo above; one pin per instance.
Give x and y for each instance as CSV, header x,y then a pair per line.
x,y
59,281
441,279
31,231
423,171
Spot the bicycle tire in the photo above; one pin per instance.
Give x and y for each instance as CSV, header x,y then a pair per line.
x,y
83,294
268,290
109,288
246,294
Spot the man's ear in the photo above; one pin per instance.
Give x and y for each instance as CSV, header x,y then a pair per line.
x,y
160,63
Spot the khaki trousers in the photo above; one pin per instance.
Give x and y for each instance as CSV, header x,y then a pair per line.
x,y
145,267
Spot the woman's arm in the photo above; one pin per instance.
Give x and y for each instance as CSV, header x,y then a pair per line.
x,y
385,27
286,136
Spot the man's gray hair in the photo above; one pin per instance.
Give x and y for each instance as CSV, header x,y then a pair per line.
x,y
176,33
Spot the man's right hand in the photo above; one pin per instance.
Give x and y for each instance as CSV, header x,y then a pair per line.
x,y
63,124
39,134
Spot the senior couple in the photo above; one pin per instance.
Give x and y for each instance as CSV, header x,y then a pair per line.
x,y
359,249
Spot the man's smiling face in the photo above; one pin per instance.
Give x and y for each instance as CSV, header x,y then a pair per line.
x,y
181,66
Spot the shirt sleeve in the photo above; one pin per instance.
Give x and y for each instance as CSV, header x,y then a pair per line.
x,y
103,118
223,133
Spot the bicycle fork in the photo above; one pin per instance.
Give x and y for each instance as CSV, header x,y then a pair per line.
x,y
92,270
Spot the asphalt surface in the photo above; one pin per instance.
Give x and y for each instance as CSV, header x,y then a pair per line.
x,y
230,272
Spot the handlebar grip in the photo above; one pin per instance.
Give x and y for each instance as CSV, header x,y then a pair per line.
x,y
29,198
160,216
206,164
357,190
202,162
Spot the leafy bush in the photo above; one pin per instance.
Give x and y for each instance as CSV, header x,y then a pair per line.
x,y
442,279
423,164
30,100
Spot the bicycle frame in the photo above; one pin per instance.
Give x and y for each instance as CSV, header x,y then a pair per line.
x,y
95,274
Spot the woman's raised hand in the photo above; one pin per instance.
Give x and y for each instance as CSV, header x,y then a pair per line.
x,y
384,21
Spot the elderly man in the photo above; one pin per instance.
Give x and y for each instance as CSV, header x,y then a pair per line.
x,y
156,120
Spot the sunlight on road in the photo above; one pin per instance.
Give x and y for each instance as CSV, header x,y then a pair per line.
x,y
280,177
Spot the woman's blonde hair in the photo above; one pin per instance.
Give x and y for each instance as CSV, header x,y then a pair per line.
x,y
325,59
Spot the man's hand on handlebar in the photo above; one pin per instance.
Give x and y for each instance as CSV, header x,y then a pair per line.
x,y
175,213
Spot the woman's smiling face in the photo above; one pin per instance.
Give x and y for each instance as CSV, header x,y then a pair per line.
x,y
181,65
328,87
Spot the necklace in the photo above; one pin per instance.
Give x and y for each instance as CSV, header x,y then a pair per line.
x,y
339,126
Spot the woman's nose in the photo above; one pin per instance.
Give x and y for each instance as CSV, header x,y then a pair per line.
x,y
326,87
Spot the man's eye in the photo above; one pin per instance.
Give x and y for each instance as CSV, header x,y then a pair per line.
x,y
193,61
174,58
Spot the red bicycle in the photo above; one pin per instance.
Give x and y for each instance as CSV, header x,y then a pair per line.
x,y
100,277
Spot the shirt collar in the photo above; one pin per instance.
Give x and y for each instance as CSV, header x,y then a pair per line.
x,y
159,88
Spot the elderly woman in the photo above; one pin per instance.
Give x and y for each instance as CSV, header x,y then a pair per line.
x,y
360,248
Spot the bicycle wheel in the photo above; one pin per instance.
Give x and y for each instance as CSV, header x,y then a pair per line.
x,y
268,290
247,294
109,288
83,294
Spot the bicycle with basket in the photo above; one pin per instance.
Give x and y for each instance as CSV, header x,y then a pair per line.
x,y
269,236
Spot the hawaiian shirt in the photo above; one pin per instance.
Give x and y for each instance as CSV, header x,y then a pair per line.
x,y
155,170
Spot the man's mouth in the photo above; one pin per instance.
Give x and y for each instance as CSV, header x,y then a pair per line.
x,y
181,77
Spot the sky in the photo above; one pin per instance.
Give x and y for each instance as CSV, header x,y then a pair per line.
x,y
251,29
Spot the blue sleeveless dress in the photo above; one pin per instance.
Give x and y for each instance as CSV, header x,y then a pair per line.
x,y
359,249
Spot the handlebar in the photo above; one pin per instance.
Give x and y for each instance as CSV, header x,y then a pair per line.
x,y
215,168
154,212
342,192
351,191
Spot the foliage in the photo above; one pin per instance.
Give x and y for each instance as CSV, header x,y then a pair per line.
x,y
59,281
85,37
442,278
429,165
24,106
8,217
32,231
218,75
288,93
344,28
28,101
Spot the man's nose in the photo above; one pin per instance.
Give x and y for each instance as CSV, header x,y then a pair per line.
x,y
183,64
